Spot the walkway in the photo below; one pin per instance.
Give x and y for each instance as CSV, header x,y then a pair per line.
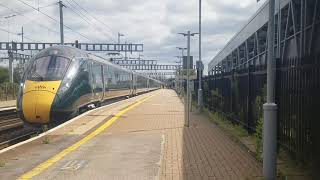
x,y
149,141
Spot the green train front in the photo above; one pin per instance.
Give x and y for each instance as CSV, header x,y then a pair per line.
x,y
60,81
47,93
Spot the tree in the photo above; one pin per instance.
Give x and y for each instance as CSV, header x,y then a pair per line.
x,y
17,75
4,75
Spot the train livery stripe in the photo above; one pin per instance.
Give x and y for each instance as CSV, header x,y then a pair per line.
x,y
45,165
38,97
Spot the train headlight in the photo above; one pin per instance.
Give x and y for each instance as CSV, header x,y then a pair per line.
x,y
22,85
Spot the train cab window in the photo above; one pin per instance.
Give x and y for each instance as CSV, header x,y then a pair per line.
x,y
49,68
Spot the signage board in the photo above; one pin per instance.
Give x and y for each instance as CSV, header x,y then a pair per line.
x,y
184,65
192,75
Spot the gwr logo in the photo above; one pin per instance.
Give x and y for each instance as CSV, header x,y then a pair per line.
x,y
40,87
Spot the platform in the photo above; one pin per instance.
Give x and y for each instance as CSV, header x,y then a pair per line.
x,y
7,104
140,138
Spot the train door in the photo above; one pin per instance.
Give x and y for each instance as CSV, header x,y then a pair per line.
x,y
106,80
91,80
134,84
103,81
97,81
131,84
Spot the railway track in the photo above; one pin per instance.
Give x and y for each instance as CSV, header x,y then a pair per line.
x,y
9,119
17,137
11,128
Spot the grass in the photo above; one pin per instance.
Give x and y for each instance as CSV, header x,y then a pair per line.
x,y
34,135
227,125
2,163
291,167
287,166
46,140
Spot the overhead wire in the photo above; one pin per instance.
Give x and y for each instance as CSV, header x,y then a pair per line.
x,y
82,35
4,30
95,18
19,13
85,18
75,12
75,8
72,7
28,11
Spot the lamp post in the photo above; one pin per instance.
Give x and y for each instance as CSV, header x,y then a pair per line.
x,y
139,57
125,51
61,5
21,34
178,74
7,18
10,54
181,59
187,97
270,107
119,35
178,62
200,98
182,51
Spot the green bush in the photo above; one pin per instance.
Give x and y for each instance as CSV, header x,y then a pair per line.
x,y
8,91
4,75
259,101
258,136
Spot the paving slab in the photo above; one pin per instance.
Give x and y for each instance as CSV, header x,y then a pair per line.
x,y
148,141
22,159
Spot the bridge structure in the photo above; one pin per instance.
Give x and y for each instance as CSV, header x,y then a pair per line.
x,y
96,47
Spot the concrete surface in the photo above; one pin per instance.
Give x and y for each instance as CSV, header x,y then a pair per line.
x,y
6,104
147,142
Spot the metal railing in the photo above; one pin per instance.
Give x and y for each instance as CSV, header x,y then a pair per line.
x,y
240,94
8,91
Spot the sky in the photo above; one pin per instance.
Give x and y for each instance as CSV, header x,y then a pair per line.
x,y
155,23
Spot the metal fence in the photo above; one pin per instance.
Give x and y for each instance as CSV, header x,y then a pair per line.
x,y
8,91
240,94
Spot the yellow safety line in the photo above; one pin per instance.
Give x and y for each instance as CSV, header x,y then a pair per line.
x,y
45,165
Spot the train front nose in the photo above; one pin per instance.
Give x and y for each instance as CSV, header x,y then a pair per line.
x,y
38,97
41,81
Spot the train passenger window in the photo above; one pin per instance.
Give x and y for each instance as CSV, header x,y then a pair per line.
x,y
49,68
84,66
97,76
111,77
105,78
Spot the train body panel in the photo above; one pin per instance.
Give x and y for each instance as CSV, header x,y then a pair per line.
x,y
38,98
60,80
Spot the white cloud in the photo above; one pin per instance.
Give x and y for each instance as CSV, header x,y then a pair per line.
x,y
152,22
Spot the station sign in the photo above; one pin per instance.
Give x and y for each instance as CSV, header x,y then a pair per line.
x,y
192,74
199,65
184,63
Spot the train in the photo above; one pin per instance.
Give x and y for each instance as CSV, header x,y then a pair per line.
x,y
61,81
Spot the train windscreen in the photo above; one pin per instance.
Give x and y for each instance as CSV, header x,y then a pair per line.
x,y
49,68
